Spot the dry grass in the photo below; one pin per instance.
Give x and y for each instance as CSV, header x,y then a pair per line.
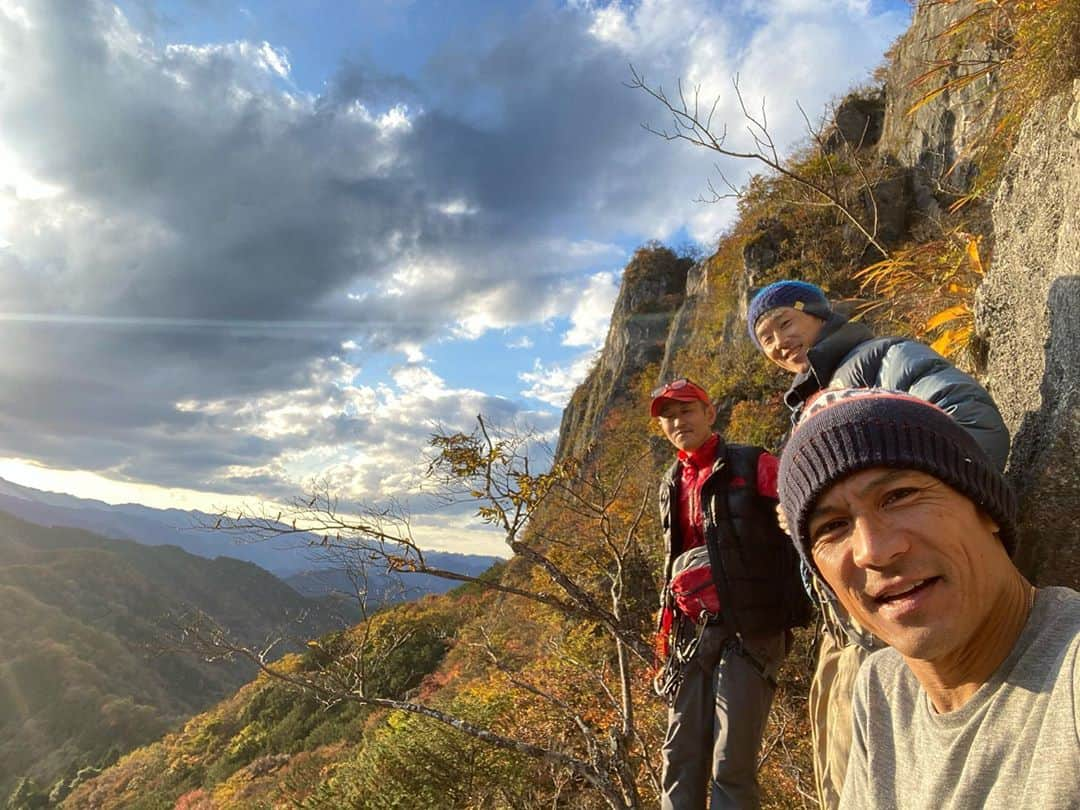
x,y
927,289
1038,42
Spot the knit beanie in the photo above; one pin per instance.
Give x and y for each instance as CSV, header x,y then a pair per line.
x,y
844,431
798,294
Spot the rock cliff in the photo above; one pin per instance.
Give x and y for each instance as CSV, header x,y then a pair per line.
x,y
938,137
1028,312
653,288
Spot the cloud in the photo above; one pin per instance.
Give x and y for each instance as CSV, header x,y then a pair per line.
x,y
555,383
364,439
592,312
189,242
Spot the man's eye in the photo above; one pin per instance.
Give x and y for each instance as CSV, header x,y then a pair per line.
x,y
827,531
894,496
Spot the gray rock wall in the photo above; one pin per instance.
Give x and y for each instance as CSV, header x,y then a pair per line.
x,y
681,329
1028,311
938,136
652,292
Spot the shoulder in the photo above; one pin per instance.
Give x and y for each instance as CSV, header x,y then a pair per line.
x,y
874,350
1050,660
1057,618
862,364
671,475
669,483
839,337
754,469
1057,613
743,458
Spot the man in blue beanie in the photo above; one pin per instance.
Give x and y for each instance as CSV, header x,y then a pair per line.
x,y
794,325
899,514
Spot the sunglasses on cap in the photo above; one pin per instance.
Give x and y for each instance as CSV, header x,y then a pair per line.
x,y
674,385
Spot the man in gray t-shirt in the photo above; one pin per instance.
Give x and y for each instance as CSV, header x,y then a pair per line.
x,y
977,705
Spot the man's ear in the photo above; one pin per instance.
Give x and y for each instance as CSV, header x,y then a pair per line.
x,y
991,525
710,413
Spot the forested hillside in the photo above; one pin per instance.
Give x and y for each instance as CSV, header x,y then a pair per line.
x,y
531,686
88,670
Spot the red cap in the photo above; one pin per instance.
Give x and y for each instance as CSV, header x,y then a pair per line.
x,y
681,390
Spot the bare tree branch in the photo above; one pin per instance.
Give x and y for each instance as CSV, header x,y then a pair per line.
x,y
687,125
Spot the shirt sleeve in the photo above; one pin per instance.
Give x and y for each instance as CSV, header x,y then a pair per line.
x,y
768,469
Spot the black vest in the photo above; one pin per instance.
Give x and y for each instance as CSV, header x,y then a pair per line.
x,y
761,576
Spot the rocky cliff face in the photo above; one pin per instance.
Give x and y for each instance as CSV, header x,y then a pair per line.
x,y
937,138
1028,312
680,331
653,288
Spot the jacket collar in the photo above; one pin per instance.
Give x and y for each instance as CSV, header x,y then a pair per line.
x,y
838,337
703,456
720,452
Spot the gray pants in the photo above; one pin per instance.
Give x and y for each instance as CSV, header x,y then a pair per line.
x,y
715,724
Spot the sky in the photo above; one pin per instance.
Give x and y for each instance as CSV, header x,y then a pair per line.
x,y
245,244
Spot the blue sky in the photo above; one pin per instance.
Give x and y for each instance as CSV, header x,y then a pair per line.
x,y
242,244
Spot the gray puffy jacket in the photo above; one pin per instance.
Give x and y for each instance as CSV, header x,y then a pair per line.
x,y
847,355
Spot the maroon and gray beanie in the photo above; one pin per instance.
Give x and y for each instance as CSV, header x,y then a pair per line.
x,y
847,430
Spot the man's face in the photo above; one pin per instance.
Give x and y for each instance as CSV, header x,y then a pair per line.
x,y
786,335
687,425
913,560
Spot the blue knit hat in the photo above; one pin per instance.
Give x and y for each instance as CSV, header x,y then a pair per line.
x,y
798,294
844,431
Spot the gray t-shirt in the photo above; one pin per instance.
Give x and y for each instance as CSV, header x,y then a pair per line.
x,y
1015,744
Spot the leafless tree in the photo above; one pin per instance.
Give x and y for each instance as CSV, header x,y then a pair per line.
x,y
694,122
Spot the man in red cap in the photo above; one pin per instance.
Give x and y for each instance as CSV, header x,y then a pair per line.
x,y
732,592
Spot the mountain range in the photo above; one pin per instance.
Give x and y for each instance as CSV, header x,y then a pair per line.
x,y
93,598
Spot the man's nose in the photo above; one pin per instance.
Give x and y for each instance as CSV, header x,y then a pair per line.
x,y
876,543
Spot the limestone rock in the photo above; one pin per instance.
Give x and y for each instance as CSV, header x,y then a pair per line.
x,y
653,288
680,331
891,198
1028,313
858,122
936,135
763,250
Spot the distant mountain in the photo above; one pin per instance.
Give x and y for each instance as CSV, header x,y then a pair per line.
x,y
384,589
84,674
153,527
286,558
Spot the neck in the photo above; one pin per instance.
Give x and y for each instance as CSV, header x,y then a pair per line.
x,y
951,680
713,438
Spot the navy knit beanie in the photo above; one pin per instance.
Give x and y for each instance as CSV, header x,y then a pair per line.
x,y
798,294
847,430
